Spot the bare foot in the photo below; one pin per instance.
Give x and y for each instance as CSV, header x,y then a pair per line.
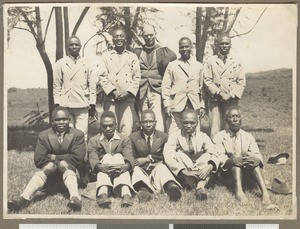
x,y
240,196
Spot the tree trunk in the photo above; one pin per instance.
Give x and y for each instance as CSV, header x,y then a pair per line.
x,y
198,32
59,33
49,70
205,32
127,26
83,13
66,25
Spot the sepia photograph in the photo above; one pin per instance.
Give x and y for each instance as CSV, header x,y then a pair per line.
x,y
150,111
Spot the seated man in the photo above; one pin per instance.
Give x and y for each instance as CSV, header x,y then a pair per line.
x,y
238,154
191,155
111,158
59,152
150,174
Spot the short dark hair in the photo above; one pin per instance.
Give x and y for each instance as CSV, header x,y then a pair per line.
x,y
117,29
108,114
233,107
148,111
184,38
189,111
73,36
223,35
60,108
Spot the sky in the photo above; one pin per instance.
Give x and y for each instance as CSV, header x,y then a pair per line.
x,y
270,45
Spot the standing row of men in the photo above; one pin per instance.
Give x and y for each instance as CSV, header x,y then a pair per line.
x,y
153,78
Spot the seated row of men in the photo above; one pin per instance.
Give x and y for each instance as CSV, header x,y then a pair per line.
x,y
148,161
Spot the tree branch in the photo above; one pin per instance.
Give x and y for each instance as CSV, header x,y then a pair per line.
x,y
241,34
29,23
23,29
47,26
85,10
225,22
234,19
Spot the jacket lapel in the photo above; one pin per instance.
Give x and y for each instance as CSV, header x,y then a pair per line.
x,y
156,144
67,141
183,143
183,69
53,139
244,142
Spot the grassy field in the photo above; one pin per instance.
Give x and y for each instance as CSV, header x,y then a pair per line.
x,y
267,114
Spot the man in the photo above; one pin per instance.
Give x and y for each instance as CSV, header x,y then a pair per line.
x,y
150,174
191,155
225,82
182,86
59,152
120,75
111,158
74,86
153,62
239,154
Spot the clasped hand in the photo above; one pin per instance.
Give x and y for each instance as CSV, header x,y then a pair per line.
x,y
244,161
120,95
113,170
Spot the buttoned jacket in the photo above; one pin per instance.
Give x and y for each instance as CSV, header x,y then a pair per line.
x,y
120,76
72,149
99,146
177,143
223,144
73,84
228,77
179,85
140,148
162,57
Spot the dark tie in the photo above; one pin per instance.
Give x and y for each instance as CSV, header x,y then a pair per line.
x,y
149,143
225,59
60,138
191,147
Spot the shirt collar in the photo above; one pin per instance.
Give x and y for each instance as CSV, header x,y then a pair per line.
x,y
222,56
115,137
232,134
74,58
186,61
146,136
115,52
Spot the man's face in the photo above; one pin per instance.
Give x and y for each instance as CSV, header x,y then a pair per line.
x,y
74,47
189,122
148,123
224,45
185,48
60,121
149,36
108,126
234,120
119,39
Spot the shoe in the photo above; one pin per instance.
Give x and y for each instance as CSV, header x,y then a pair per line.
x,y
173,191
103,201
201,194
18,204
74,203
143,196
126,201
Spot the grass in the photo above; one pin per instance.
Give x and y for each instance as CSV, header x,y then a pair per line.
x,y
267,114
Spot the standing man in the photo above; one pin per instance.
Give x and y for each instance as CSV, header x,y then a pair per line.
x,y
150,174
74,86
182,86
225,82
190,155
59,153
239,154
111,158
119,74
153,62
